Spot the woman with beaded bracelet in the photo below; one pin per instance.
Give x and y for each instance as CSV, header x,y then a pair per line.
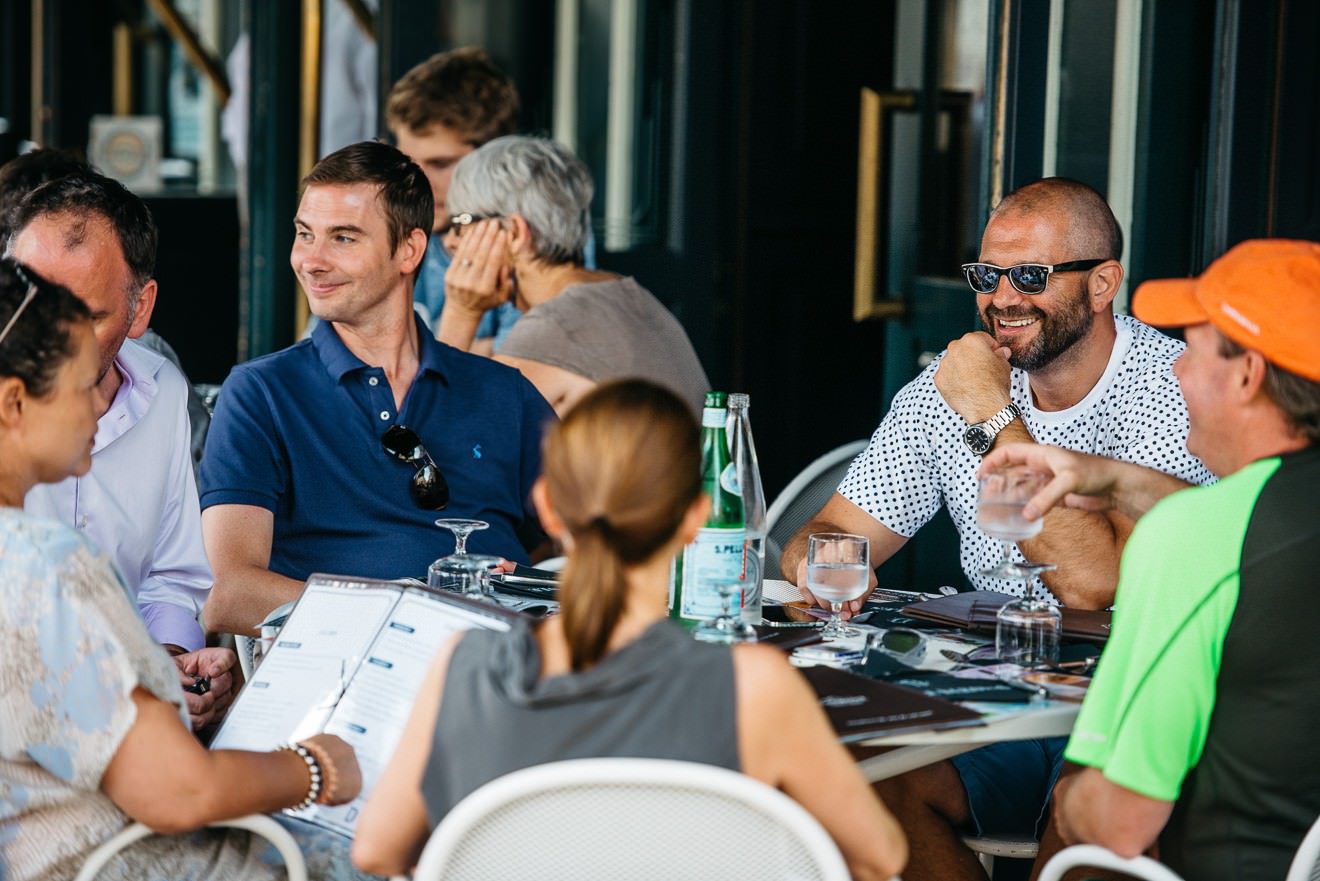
x,y
93,724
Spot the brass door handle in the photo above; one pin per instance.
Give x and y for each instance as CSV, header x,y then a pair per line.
x,y
871,170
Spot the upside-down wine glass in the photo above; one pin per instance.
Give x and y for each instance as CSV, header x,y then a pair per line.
x,y
1027,630
838,570
461,528
471,571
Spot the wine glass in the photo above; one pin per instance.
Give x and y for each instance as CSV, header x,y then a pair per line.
x,y
838,570
445,577
1027,630
461,529
470,571
729,627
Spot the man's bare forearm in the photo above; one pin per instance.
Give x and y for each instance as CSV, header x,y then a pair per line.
x,y
1097,811
458,326
243,596
1085,547
1137,488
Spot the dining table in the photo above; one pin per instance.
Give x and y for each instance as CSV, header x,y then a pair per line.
x,y
913,748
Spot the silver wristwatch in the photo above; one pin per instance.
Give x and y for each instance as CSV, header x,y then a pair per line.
x,y
981,436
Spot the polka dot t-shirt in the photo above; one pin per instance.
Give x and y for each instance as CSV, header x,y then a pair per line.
x,y
917,461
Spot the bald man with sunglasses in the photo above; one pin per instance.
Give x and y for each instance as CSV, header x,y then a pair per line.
x,y
1053,364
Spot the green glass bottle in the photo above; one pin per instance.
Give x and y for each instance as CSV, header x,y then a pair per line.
x,y
717,554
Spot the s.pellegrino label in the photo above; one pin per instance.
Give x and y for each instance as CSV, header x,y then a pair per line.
x,y
717,556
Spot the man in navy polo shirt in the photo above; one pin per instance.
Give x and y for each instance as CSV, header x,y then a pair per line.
x,y
295,479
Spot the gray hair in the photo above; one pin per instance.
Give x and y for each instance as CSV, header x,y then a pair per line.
x,y
1296,396
536,177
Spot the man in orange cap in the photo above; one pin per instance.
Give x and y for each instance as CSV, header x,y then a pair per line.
x,y
1198,730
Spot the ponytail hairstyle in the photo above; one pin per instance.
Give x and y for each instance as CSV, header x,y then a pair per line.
x,y
621,470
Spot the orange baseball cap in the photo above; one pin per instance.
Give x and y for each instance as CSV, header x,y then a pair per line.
x,y
1263,294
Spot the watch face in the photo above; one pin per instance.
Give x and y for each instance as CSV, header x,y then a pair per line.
x,y
978,440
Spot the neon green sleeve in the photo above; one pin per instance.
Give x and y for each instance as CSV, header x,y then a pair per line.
x,y
1144,721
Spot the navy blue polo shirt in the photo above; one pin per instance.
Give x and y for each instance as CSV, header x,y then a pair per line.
x,y
298,433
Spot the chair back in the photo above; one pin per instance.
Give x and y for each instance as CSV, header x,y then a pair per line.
x,y
804,496
1306,862
1092,856
628,818
257,824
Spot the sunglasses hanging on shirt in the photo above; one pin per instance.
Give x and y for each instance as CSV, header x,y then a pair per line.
x,y
429,488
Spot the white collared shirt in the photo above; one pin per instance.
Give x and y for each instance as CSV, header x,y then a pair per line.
x,y
139,501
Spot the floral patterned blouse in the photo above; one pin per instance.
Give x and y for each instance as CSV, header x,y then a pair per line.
x,y
72,650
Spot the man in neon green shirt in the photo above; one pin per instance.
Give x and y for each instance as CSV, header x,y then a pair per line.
x,y
1198,730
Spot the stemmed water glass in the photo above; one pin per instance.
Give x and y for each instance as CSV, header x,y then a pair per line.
x,y
1027,630
838,570
469,570
461,529
729,627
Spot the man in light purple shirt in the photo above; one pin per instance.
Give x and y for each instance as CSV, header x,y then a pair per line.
x,y
139,501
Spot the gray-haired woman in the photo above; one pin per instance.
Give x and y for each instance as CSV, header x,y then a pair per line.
x,y
519,226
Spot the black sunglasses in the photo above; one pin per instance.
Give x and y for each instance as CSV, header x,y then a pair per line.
x,y
460,222
429,489
1026,278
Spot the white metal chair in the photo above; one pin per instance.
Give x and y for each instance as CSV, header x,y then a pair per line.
x,y
1093,856
628,818
803,497
1306,862
243,647
257,824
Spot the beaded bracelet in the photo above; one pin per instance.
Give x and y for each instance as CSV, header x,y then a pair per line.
x,y
329,774
313,768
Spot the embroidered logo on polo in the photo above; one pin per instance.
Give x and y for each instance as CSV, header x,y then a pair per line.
x,y
476,451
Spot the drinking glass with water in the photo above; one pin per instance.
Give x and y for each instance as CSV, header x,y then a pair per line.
x,y
838,570
1027,631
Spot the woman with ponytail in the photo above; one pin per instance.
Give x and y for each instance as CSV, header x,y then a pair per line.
x,y
610,675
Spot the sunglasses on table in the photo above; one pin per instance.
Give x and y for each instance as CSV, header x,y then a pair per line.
x,y
1026,278
429,488
903,643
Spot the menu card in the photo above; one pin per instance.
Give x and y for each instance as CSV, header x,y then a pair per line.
x,y
860,708
349,661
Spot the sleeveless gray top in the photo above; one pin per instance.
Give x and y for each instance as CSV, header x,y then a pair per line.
x,y
662,696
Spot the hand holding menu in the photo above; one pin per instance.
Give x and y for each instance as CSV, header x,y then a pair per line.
x,y
349,662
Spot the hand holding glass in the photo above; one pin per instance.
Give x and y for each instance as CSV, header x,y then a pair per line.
x,y
838,570
1028,630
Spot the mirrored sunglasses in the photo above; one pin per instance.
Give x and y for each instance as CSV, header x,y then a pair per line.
x,y
1026,278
